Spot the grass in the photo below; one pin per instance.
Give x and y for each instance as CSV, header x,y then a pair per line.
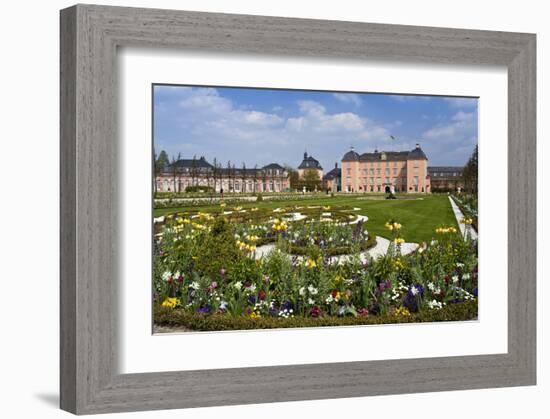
x,y
419,217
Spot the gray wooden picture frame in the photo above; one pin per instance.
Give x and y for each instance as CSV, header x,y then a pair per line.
x,y
90,36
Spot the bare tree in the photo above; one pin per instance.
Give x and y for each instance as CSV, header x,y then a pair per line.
x,y
264,179
255,177
243,177
193,170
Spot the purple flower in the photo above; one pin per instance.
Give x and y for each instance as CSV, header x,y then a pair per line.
x,y
266,279
204,310
252,299
222,272
287,305
386,285
475,291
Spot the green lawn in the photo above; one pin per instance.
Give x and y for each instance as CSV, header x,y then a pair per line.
x,y
419,217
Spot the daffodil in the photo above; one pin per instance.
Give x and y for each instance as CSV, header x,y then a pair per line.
x,y
311,263
170,302
402,312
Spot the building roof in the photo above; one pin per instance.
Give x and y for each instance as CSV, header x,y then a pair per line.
x,y
273,166
415,154
351,156
189,163
202,163
445,169
334,173
309,163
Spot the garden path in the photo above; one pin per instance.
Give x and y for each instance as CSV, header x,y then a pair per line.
x,y
381,248
459,216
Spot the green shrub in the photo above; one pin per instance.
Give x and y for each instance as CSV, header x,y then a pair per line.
x,y
198,188
180,318
259,198
218,250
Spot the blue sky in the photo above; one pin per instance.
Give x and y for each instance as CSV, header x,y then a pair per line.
x,y
261,126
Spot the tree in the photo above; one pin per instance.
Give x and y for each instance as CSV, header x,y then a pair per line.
x,y
243,178
255,176
470,173
294,178
264,179
160,163
162,160
178,172
174,172
233,175
215,174
311,180
193,170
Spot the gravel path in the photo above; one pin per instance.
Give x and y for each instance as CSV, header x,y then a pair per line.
x,y
459,216
380,249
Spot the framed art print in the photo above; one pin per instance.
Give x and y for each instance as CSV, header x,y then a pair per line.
x,y
318,198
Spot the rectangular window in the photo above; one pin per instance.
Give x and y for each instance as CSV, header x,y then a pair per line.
x,y
395,170
387,171
415,180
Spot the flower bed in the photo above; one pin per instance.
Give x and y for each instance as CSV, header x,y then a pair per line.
x,y
468,206
204,263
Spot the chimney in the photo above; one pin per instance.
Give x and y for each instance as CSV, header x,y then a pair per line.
x,y
336,165
417,145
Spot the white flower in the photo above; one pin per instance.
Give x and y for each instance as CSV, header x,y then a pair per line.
x,y
312,290
252,288
420,249
238,285
166,275
431,286
302,291
177,274
434,304
459,265
466,276
329,299
194,285
223,305
455,278
414,290
311,301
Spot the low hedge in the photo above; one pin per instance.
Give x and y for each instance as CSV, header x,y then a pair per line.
x,y
336,251
163,316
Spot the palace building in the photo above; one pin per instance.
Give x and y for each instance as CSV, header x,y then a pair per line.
x,y
332,180
184,173
446,178
386,171
310,164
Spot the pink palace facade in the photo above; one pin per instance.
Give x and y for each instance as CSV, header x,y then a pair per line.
x,y
386,171
185,173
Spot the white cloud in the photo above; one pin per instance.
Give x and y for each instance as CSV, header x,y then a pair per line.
x,y
202,121
348,98
464,117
